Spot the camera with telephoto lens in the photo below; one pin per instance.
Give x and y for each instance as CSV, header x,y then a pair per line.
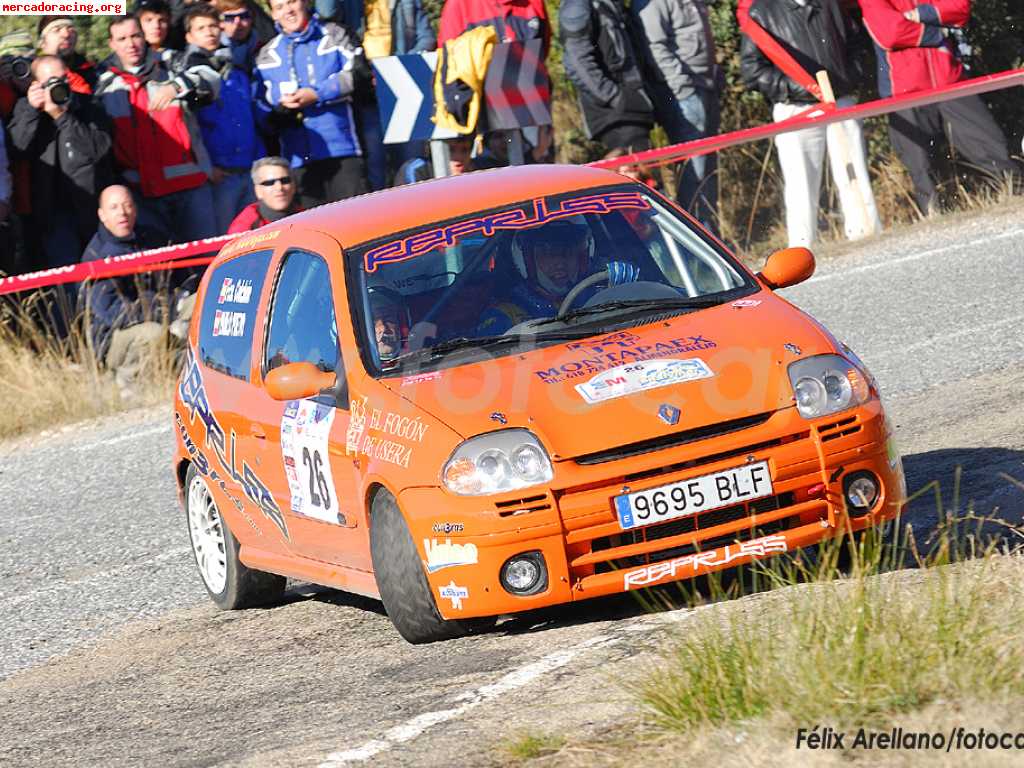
x,y
21,67
60,91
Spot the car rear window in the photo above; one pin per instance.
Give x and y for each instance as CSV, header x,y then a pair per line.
x,y
229,313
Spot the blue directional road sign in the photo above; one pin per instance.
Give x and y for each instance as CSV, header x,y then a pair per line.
x,y
405,95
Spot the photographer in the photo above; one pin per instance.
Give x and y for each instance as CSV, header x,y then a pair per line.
x,y
58,37
66,142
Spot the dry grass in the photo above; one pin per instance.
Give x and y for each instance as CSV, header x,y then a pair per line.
x,y
45,382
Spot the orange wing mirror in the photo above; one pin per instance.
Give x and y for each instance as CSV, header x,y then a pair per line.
x,y
788,267
295,381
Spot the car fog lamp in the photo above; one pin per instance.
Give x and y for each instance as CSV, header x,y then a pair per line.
x,y
524,574
861,492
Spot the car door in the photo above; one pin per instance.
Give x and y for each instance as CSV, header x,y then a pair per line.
x,y
215,389
303,441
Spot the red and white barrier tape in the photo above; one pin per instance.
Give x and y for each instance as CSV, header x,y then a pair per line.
x,y
817,114
154,259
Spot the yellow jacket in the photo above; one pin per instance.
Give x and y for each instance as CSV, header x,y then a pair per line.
x,y
465,58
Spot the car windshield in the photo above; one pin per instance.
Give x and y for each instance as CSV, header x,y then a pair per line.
x,y
531,273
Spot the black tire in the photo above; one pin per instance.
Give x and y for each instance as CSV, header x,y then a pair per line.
x,y
400,578
243,587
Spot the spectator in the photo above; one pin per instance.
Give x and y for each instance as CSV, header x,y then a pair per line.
x,y
460,161
58,37
228,125
816,32
238,36
155,20
157,144
511,19
262,23
497,145
600,61
65,139
306,78
124,315
275,195
8,261
915,53
686,84
385,28
18,229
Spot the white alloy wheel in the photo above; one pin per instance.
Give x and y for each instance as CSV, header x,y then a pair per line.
x,y
207,533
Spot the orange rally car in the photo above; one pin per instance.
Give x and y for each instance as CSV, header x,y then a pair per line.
x,y
507,390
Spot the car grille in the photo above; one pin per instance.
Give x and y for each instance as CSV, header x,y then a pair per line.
x,y
697,523
673,440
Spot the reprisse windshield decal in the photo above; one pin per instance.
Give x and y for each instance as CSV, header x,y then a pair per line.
x,y
517,218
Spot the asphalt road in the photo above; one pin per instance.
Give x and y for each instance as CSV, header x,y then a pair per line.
x,y
111,653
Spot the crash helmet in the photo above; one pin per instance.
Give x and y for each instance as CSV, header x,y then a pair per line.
x,y
561,236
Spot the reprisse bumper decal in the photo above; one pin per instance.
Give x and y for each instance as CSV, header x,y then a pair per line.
x,y
641,577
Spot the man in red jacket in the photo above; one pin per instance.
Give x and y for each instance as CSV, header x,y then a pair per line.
x,y
158,148
915,53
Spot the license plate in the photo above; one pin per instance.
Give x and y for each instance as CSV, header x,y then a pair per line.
x,y
693,496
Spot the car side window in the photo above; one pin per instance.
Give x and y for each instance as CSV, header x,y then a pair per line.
x,y
229,313
302,321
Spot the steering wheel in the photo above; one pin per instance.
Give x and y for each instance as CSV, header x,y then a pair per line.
x,y
588,282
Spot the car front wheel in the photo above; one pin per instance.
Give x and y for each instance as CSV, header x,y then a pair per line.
x,y
400,578
228,581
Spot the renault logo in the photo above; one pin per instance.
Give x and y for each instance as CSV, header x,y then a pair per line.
x,y
669,414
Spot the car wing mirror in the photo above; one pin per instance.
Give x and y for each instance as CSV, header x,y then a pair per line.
x,y
295,381
787,267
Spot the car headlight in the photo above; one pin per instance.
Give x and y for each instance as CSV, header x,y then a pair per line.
x,y
495,462
826,384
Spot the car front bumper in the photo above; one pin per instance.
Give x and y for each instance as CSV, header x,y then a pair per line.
x,y
572,522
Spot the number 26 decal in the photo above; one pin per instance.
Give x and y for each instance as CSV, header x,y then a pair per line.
x,y
317,481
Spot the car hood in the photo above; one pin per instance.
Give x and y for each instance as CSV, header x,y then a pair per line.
x,y
690,371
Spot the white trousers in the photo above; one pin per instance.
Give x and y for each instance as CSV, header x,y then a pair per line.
x,y
801,154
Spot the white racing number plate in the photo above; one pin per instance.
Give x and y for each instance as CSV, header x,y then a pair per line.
x,y
693,496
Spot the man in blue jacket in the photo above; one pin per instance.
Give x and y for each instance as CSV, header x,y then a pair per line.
x,y
384,28
228,125
306,78
123,314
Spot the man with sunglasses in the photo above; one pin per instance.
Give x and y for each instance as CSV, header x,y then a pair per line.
x,y
228,125
275,195
245,30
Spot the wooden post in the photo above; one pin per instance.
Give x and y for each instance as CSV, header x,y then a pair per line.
x,y
846,155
